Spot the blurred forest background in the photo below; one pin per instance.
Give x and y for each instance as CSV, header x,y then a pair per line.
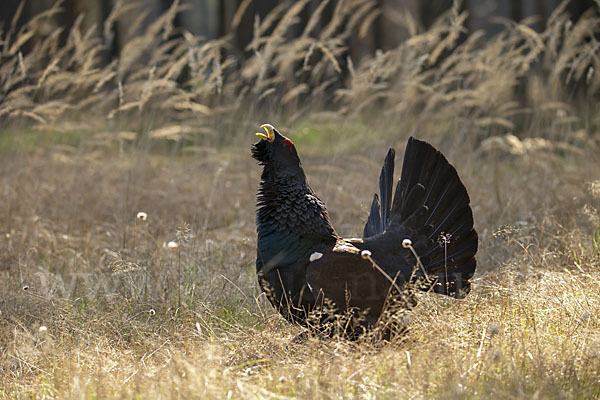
x,y
211,19
199,61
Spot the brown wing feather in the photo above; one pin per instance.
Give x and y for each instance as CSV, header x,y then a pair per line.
x,y
342,276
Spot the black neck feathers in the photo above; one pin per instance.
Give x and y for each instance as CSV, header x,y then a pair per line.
x,y
286,203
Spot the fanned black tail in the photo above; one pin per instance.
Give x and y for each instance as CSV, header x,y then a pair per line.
x,y
430,207
379,215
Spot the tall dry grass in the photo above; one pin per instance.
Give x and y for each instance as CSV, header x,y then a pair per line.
x,y
94,302
183,83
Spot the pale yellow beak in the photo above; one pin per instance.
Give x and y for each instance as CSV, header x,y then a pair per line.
x,y
270,136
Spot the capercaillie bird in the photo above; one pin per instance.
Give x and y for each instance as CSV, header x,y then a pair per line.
x,y
421,234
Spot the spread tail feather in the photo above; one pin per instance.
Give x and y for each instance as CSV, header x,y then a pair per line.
x,y
431,207
380,214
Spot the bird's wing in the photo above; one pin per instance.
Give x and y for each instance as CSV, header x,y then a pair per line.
x,y
340,275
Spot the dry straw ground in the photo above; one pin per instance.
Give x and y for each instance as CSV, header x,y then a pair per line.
x,y
94,303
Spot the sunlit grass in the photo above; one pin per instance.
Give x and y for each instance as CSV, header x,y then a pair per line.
x,y
98,175
127,316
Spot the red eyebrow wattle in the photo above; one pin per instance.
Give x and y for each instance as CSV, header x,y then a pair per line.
x,y
289,143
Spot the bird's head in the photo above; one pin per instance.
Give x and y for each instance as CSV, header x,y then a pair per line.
x,y
274,149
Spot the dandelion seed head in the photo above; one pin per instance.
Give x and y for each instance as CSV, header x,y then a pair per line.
x,y
406,243
183,233
43,329
142,216
445,237
365,254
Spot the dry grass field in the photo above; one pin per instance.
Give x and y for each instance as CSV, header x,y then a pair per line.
x,y
94,303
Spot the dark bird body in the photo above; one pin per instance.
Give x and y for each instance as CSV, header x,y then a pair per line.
x,y
303,263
